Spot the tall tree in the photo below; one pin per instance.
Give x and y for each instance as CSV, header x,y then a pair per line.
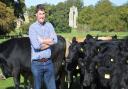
x,y
78,3
6,19
123,12
17,5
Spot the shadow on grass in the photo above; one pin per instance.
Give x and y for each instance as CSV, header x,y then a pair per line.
x,y
75,85
13,88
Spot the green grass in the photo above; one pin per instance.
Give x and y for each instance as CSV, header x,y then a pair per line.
x,y
82,35
8,83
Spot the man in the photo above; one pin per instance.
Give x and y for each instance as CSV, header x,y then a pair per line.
x,y
42,36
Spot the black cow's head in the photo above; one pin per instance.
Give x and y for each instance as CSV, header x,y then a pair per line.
x,y
88,73
75,52
5,69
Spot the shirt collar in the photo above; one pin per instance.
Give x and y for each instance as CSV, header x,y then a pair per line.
x,y
41,24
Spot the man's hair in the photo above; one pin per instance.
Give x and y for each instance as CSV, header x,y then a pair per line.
x,y
40,7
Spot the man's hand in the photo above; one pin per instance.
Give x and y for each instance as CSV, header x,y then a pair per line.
x,y
44,46
47,41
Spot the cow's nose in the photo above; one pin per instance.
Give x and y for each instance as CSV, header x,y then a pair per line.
x,y
68,60
85,84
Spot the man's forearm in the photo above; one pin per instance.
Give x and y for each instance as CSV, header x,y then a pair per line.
x,y
47,41
44,46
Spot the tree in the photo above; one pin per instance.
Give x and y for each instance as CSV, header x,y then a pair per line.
x,y
104,7
78,3
123,13
59,18
18,7
9,11
7,19
86,14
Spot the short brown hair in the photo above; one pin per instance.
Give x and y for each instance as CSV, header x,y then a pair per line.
x,y
40,7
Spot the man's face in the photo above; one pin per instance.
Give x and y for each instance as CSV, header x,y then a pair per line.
x,y
40,15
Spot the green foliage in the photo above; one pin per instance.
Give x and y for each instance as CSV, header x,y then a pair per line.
x,y
18,7
24,28
104,17
6,19
123,13
9,10
59,18
58,14
85,15
78,3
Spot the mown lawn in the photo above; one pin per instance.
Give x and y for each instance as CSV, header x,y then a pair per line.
x,y
81,35
8,84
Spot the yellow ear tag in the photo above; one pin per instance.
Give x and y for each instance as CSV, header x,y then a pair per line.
x,y
127,61
77,67
78,75
82,49
96,66
107,76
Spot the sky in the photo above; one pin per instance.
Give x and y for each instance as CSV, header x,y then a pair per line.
x,y
86,2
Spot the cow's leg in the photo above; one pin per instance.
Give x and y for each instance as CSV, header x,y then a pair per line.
x,y
16,78
69,79
81,80
28,81
61,80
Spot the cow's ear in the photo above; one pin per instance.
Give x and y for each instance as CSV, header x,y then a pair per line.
x,y
74,40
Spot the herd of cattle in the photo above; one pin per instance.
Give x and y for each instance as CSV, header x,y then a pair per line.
x,y
101,64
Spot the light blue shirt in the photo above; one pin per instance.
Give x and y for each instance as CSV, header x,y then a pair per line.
x,y
36,31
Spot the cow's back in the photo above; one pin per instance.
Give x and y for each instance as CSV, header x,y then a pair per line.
x,y
17,53
58,54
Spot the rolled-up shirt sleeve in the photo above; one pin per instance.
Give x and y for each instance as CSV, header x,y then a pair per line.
x,y
34,38
53,35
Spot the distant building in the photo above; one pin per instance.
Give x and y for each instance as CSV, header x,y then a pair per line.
x,y
20,21
26,17
73,14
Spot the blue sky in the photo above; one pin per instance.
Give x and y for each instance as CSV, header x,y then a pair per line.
x,y
86,2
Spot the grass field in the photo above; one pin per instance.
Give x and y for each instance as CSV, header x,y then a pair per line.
x,y
81,35
8,84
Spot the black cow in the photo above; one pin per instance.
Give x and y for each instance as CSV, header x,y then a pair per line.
x,y
15,55
90,74
15,58
105,64
75,52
